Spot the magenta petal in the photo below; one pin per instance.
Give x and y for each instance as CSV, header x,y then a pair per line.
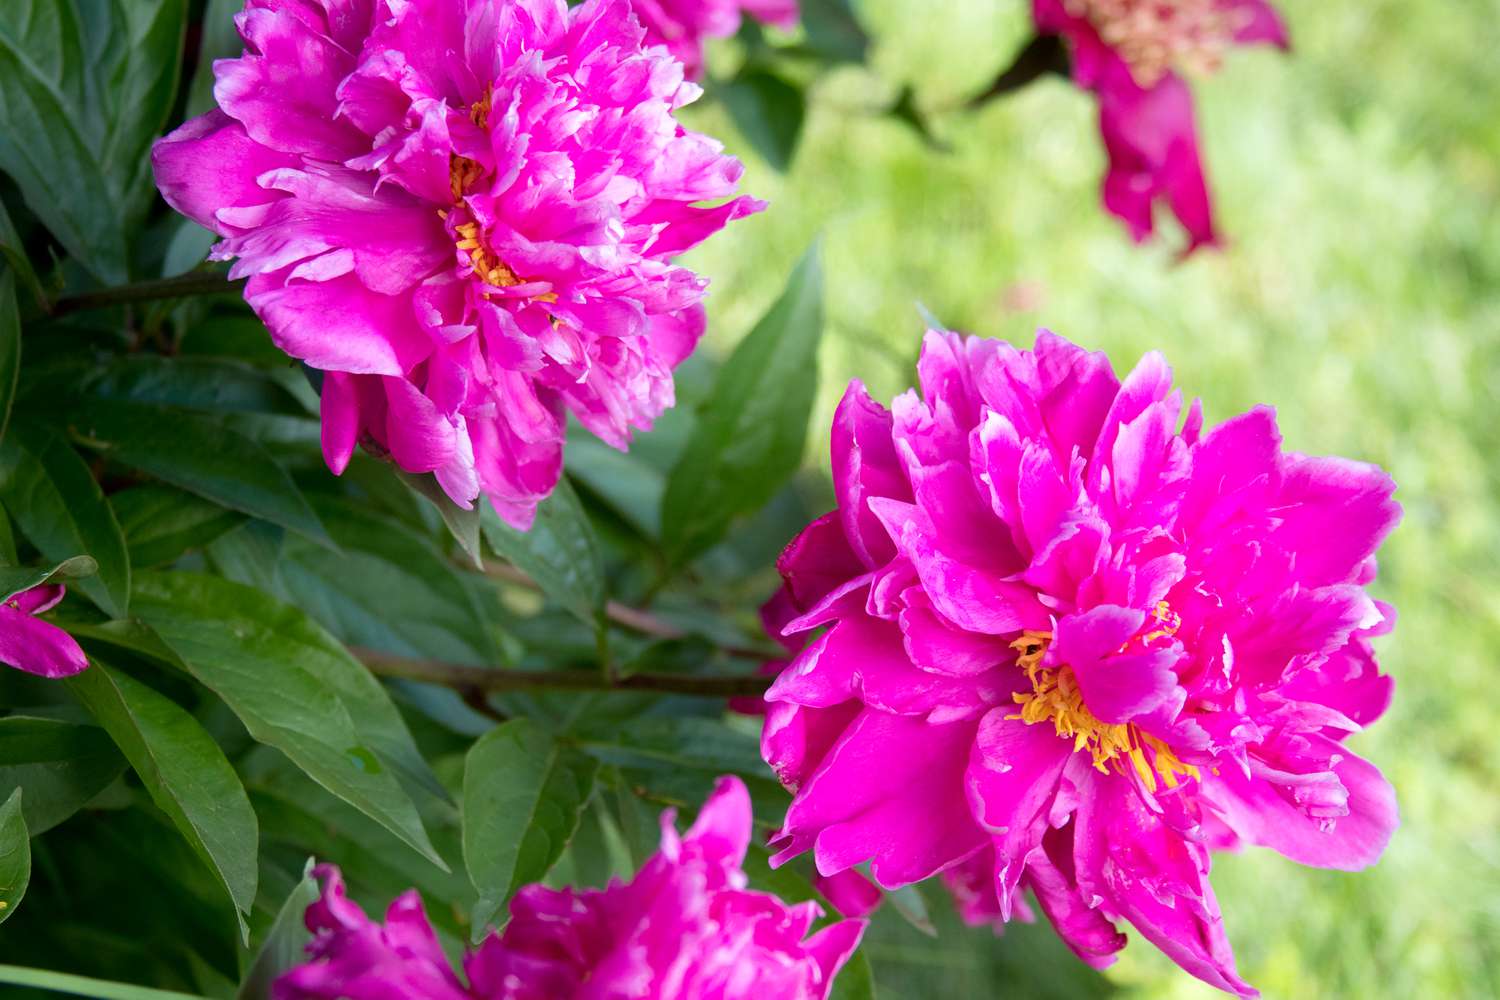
x,y
851,893
1117,686
35,646
339,325
865,464
340,415
209,164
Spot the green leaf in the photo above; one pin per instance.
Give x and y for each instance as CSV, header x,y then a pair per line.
x,y
52,495
283,945
14,253
10,344
833,32
220,41
15,579
750,433
523,795
768,111
200,455
462,524
388,589
84,97
855,981
80,986
15,855
162,523
185,773
295,688
560,552
60,765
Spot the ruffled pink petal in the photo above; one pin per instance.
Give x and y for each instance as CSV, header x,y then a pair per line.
x,y
210,164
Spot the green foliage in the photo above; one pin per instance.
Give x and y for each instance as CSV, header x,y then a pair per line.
x,y
15,856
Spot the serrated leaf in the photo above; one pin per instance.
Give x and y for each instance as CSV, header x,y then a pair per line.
x,y
198,454
185,773
751,432
84,97
15,855
523,795
52,495
768,111
10,343
60,765
560,552
295,688
284,942
82,986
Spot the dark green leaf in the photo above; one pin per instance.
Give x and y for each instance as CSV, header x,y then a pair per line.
x,y
751,431
184,771
855,981
15,855
284,942
220,385
162,523
60,765
523,795
14,253
51,493
833,32
80,986
10,343
630,487
388,589
84,97
201,456
768,111
15,579
295,688
560,552
463,524
220,41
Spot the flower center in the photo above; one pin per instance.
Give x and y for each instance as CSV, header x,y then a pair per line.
x,y
1055,697
462,175
1157,36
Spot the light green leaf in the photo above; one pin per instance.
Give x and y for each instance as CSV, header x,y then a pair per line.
x,y
60,765
283,946
295,688
84,97
80,986
15,855
200,455
523,795
185,772
52,495
751,431
560,552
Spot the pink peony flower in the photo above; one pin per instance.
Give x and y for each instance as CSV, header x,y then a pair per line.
x,y
464,213
1132,53
30,644
684,929
683,25
1067,640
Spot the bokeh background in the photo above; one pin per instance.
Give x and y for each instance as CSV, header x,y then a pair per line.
x,y
1357,183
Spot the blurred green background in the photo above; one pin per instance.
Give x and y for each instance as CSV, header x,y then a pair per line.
x,y
1357,183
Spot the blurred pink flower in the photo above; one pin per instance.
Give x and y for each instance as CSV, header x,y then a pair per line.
x,y
1132,54
685,928
1066,640
683,25
30,644
464,213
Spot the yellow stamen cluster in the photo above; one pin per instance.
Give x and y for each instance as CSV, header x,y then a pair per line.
x,y
1156,36
1055,697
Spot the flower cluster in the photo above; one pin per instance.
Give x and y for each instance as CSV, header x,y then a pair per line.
x,y
30,644
683,25
1059,641
685,928
1133,54
464,214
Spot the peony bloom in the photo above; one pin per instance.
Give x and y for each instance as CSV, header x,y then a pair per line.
x,y
684,929
683,25
463,212
35,646
1132,54
1068,641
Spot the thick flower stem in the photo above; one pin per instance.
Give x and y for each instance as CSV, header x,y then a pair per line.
x,y
464,678
1043,54
183,286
